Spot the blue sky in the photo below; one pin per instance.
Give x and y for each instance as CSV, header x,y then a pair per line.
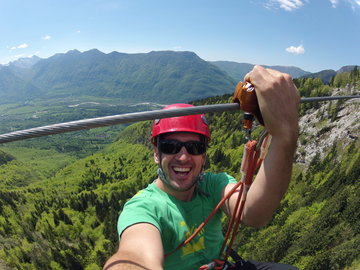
x,y
310,34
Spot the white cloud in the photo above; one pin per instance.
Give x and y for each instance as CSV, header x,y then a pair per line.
x,y
296,50
288,5
334,3
353,3
291,5
177,48
47,37
22,46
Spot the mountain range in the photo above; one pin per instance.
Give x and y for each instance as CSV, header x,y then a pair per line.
x,y
239,70
158,76
152,77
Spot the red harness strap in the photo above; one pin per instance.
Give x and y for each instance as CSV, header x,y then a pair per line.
x,y
251,161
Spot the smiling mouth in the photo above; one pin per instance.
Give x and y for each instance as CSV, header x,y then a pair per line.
x,y
181,170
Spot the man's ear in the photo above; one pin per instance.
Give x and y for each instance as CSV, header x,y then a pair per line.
x,y
156,155
205,165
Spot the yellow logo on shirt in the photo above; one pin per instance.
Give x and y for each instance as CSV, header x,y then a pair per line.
x,y
196,244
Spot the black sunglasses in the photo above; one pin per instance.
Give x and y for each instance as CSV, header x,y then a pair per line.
x,y
171,147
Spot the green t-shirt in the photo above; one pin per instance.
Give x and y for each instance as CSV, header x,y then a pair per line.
x,y
177,220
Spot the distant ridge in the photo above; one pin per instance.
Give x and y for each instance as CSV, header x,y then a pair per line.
x,y
324,75
347,68
239,70
26,62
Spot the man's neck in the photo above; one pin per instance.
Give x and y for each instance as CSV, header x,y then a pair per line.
x,y
184,196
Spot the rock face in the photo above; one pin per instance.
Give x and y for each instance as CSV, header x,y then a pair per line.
x,y
335,122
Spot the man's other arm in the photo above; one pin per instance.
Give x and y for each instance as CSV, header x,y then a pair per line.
x,y
140,248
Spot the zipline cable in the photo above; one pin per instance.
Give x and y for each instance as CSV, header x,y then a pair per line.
x,y
113,120
133,117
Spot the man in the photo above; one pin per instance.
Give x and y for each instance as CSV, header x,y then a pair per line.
x,y
159,218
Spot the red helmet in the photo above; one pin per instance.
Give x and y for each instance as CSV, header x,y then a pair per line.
x,y
189,123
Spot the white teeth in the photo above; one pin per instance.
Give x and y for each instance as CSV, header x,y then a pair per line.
x,y
179,169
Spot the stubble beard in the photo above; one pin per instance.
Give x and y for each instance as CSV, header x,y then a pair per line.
x,y
170,184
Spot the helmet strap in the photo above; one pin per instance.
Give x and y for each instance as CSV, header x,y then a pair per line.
x,y
160,170
164,179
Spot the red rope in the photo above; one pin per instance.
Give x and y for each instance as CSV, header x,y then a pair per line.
x,y
251,160
236,215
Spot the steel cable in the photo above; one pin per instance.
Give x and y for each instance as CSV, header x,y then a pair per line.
x,y
131,118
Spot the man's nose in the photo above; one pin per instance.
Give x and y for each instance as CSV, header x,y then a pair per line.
x,y
183,154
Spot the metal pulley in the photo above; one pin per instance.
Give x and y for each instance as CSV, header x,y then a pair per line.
x,y
246,96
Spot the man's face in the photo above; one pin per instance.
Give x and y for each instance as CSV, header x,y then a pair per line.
x,y
181,169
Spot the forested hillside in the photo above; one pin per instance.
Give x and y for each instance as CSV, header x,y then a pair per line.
x,y
64,217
